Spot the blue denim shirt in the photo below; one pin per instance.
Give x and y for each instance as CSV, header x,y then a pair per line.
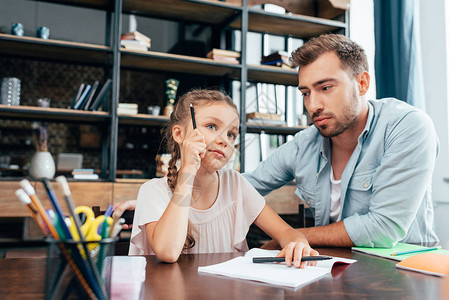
x,y
385,186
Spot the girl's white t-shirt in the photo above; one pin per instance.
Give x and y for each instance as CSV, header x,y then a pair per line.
x,y
220,228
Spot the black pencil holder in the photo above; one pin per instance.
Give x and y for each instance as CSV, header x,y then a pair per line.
x,y
71,273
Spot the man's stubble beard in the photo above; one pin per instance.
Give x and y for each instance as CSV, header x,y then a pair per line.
x,y
349,117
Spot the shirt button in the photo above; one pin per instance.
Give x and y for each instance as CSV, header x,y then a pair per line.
x,y
365,185
316,175
308,202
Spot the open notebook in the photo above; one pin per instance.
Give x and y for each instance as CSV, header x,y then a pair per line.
x,y
242,267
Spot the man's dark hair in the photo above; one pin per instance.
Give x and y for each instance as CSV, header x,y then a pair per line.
x,y
352,56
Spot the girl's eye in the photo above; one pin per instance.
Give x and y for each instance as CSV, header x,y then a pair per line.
x,y
231,135
211,127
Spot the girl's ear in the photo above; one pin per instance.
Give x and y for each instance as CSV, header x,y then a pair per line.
x,y
178,133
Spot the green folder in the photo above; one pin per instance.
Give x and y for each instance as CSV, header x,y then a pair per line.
x,y
400,247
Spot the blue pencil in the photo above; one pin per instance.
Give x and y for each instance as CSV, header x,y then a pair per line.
x,y
415,251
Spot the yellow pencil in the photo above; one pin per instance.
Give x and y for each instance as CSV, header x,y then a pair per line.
x,y
25,199
28,188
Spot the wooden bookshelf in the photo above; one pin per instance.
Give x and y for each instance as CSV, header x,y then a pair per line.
x,y
158,61
293,25
190,11
38,48
97,4
271,74
143,119
273,129
33,113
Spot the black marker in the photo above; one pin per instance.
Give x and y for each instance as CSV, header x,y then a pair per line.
x,y
282,259
192,113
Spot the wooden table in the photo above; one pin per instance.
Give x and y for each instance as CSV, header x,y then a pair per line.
x,y
369,278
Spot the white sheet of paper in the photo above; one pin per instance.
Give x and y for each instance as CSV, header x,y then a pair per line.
x,y
274,273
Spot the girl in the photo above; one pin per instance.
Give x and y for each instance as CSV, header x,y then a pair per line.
x,y
200,207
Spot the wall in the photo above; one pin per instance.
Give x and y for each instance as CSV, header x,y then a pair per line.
x,y
361,30
435,53
79,24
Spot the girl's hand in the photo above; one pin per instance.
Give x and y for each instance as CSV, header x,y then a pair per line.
x,y
293,253
193,149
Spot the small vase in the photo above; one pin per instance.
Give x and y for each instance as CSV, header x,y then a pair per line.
x,y
42,165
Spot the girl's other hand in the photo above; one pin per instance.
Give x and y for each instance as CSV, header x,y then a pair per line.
x,y
293,253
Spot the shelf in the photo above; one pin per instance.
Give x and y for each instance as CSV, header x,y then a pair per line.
x,y
190,11
166,62
273,129
97,4
288,24
143,119
53,49
274,75
33,113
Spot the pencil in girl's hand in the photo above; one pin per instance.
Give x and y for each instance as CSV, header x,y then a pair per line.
x,y
192,113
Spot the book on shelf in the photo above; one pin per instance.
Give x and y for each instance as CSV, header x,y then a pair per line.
x,y
266,121
135,45
86,176
83,97
88,97
135,41
264,118
101,96
82,171
227,59
278,58
278,64
91,95
77,95
137,36
259,115
221,52
127,108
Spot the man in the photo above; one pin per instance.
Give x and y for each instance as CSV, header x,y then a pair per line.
x,y
364,167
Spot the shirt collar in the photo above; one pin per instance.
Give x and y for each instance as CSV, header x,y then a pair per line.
x,y
369,122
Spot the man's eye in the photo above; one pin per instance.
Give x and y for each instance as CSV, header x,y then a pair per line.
x,y
305,94
327,87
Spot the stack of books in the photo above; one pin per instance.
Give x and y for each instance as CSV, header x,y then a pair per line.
x,y
84,174
127,108
264,118
224,56
91,96
278,59
135,41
